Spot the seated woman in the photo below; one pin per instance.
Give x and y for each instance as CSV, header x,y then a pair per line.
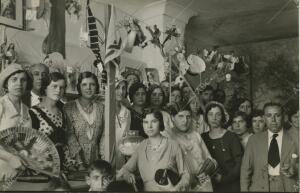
x,y
85,118
240,127
156,99
156,152
225,147
47,116
15,81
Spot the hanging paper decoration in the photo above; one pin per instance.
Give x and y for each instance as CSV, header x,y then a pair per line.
x,y
183,64
179,81
73,8
94,39
83,37
155,34
172,32
197,64
135,36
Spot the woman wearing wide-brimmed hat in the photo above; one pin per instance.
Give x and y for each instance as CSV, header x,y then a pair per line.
x,y
15,81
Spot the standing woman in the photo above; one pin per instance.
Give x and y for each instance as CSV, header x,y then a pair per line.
x,y
123,119
137,95
225,147
157,100
198,123
48,117
15,81
154,153
85,121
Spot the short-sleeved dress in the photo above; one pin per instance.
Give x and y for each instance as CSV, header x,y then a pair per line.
x,y
147,162
228,152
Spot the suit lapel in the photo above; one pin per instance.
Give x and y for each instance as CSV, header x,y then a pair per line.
x,y
263,149
286,146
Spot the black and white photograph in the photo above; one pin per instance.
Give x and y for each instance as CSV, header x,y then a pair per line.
x,y
149,96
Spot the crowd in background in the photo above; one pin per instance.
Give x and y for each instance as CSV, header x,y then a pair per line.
x,y
191,137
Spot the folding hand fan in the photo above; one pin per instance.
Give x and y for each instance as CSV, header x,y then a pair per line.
x,y
36,151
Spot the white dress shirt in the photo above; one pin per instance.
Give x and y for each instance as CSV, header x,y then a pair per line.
x,y
275,171
35,99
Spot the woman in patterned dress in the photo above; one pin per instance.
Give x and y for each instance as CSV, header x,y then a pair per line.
x,y
48,117
85,117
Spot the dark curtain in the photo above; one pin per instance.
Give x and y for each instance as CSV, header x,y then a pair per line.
x,y
55,40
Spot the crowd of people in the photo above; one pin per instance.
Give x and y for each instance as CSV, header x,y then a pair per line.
x,y
192,141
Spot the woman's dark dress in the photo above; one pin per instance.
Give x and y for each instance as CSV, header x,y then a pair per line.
x,y
137,123
228,152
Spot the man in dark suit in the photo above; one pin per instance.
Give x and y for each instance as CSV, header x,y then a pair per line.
x,y
38,72
270,159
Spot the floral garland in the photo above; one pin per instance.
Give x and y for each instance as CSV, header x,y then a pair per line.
x,y
73,7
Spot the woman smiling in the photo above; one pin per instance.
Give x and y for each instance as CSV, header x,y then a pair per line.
x,y
47,116
85,121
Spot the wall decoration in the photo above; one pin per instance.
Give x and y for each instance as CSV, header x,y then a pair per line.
x,y
11,13
129,70
152,76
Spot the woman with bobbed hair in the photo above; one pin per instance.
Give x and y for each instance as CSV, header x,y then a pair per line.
x,y
137,95
240,127
14,80
225,147
156,99
85,118
154,153
48,116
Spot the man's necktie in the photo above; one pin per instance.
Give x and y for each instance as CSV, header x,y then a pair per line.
x,y
40,99
273,155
